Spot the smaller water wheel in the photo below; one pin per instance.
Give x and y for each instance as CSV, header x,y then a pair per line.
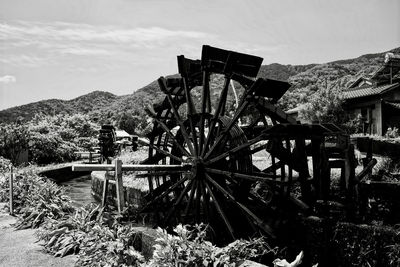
x,y
107,142
221,182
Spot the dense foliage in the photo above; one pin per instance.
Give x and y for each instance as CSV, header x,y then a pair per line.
x,y
48,138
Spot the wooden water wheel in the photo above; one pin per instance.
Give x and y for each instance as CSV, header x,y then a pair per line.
x,y
220,179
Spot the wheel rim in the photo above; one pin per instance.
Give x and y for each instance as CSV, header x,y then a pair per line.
x,y
218,188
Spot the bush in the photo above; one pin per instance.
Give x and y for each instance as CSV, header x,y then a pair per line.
x,y
49,148
392,132
325,106
14,140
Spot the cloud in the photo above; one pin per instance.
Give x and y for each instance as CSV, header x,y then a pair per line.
x,y
81,51
36,33
86,32
8,79
32,44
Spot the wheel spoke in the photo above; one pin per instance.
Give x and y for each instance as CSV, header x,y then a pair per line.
x,y
141,175
167,131
174,207
166,153
197,206
256,219
216,114
204,101
178,118
192,190
225,132
265,177
220,211
234,150
167,191
191,111
254,196
206,201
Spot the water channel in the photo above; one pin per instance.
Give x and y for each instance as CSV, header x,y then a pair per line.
x,y
79,190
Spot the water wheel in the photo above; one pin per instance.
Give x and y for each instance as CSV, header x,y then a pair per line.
x,y
219,177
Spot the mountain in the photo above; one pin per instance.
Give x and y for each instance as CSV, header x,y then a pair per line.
x,y
87,103
305,80
340,73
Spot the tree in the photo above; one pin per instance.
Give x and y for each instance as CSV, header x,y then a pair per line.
x,y
14,140
325,106
127,122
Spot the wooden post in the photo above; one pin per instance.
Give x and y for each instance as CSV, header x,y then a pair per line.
x,y
302,161
105,187
90,156
11,191
119,185
325,177
368,158
290,170
316,160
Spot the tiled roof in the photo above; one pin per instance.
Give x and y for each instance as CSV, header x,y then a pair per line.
x,y
393,104
367,91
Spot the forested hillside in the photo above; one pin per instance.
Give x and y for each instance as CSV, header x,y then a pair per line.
x,y
106,107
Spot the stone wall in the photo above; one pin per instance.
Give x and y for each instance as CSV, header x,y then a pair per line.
x,y
132,195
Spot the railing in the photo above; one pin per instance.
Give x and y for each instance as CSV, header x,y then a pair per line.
x,y
91,154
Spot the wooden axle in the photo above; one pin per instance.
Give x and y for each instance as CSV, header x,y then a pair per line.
x,y
129,167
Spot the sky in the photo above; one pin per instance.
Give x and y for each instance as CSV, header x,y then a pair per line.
x,y
66,48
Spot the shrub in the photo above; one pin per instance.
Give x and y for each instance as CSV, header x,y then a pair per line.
x,y
14,140
48,148
325,106
392,132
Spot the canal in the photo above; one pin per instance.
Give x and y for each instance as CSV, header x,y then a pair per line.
x,y
79,190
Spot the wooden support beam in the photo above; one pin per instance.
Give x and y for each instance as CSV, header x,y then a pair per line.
x,y
300,156
367,169
105,185
274,111
316,162
119,185
325,174
129,167
11,190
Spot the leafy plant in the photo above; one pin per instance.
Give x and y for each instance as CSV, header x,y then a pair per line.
x,y
98,237
190,248
36,199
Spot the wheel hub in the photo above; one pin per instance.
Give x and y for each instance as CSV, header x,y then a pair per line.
x,y
198,166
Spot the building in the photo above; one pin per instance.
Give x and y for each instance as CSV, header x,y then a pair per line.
x,y
377,98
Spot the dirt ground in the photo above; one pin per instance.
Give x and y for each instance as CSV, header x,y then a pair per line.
x,y
20,248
